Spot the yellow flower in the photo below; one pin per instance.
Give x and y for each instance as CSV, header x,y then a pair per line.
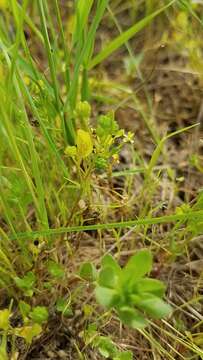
x,y
84,144
71,151
115,158
29,332
26,79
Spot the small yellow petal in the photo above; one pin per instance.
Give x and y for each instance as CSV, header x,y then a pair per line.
x,y
84,144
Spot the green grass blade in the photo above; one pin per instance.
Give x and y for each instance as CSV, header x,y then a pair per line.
x,y
117,225
32,26
46,133
82,14
49,53
159,148
85,53
125,36
65,48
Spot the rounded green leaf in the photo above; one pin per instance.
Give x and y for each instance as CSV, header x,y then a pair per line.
x,y
125,355
88,272
39,314
106,297
27,282
151,286
24,308
55,269
105,346
139,265
63,306
108,260
132,317
108,277
154,306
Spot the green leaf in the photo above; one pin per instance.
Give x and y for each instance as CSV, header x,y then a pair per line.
x,y
48,285
28,332
139,265
55,269
132,318
26,283
63,306
24,308
125,355
106,297
108,277
108,260
106,126
39,314
90,333
125,36
88,272
104,352
154,306
83,10
3,353
4,319
86,52
105,346
152,286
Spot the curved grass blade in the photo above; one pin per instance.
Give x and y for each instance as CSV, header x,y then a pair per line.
x,y
125,36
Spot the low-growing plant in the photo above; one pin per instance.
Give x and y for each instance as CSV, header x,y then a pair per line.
x,y
97,148
60,146
128,290
104,345
31,327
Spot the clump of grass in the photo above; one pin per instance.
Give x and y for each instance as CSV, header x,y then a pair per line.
x,y
59,160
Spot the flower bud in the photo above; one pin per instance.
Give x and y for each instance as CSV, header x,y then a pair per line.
x,y
83,110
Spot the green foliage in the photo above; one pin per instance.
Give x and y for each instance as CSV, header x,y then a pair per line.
x,y
54,147
88,271
27,283
196,225
4,319
83,112
55,269
105,346
14,188
139,265
62,306
130,292
39,314
127,355
106,126
96,148
115,44
24,309
28,332
107,130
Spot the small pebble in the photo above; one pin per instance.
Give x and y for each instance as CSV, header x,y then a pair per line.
x,y
62,354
